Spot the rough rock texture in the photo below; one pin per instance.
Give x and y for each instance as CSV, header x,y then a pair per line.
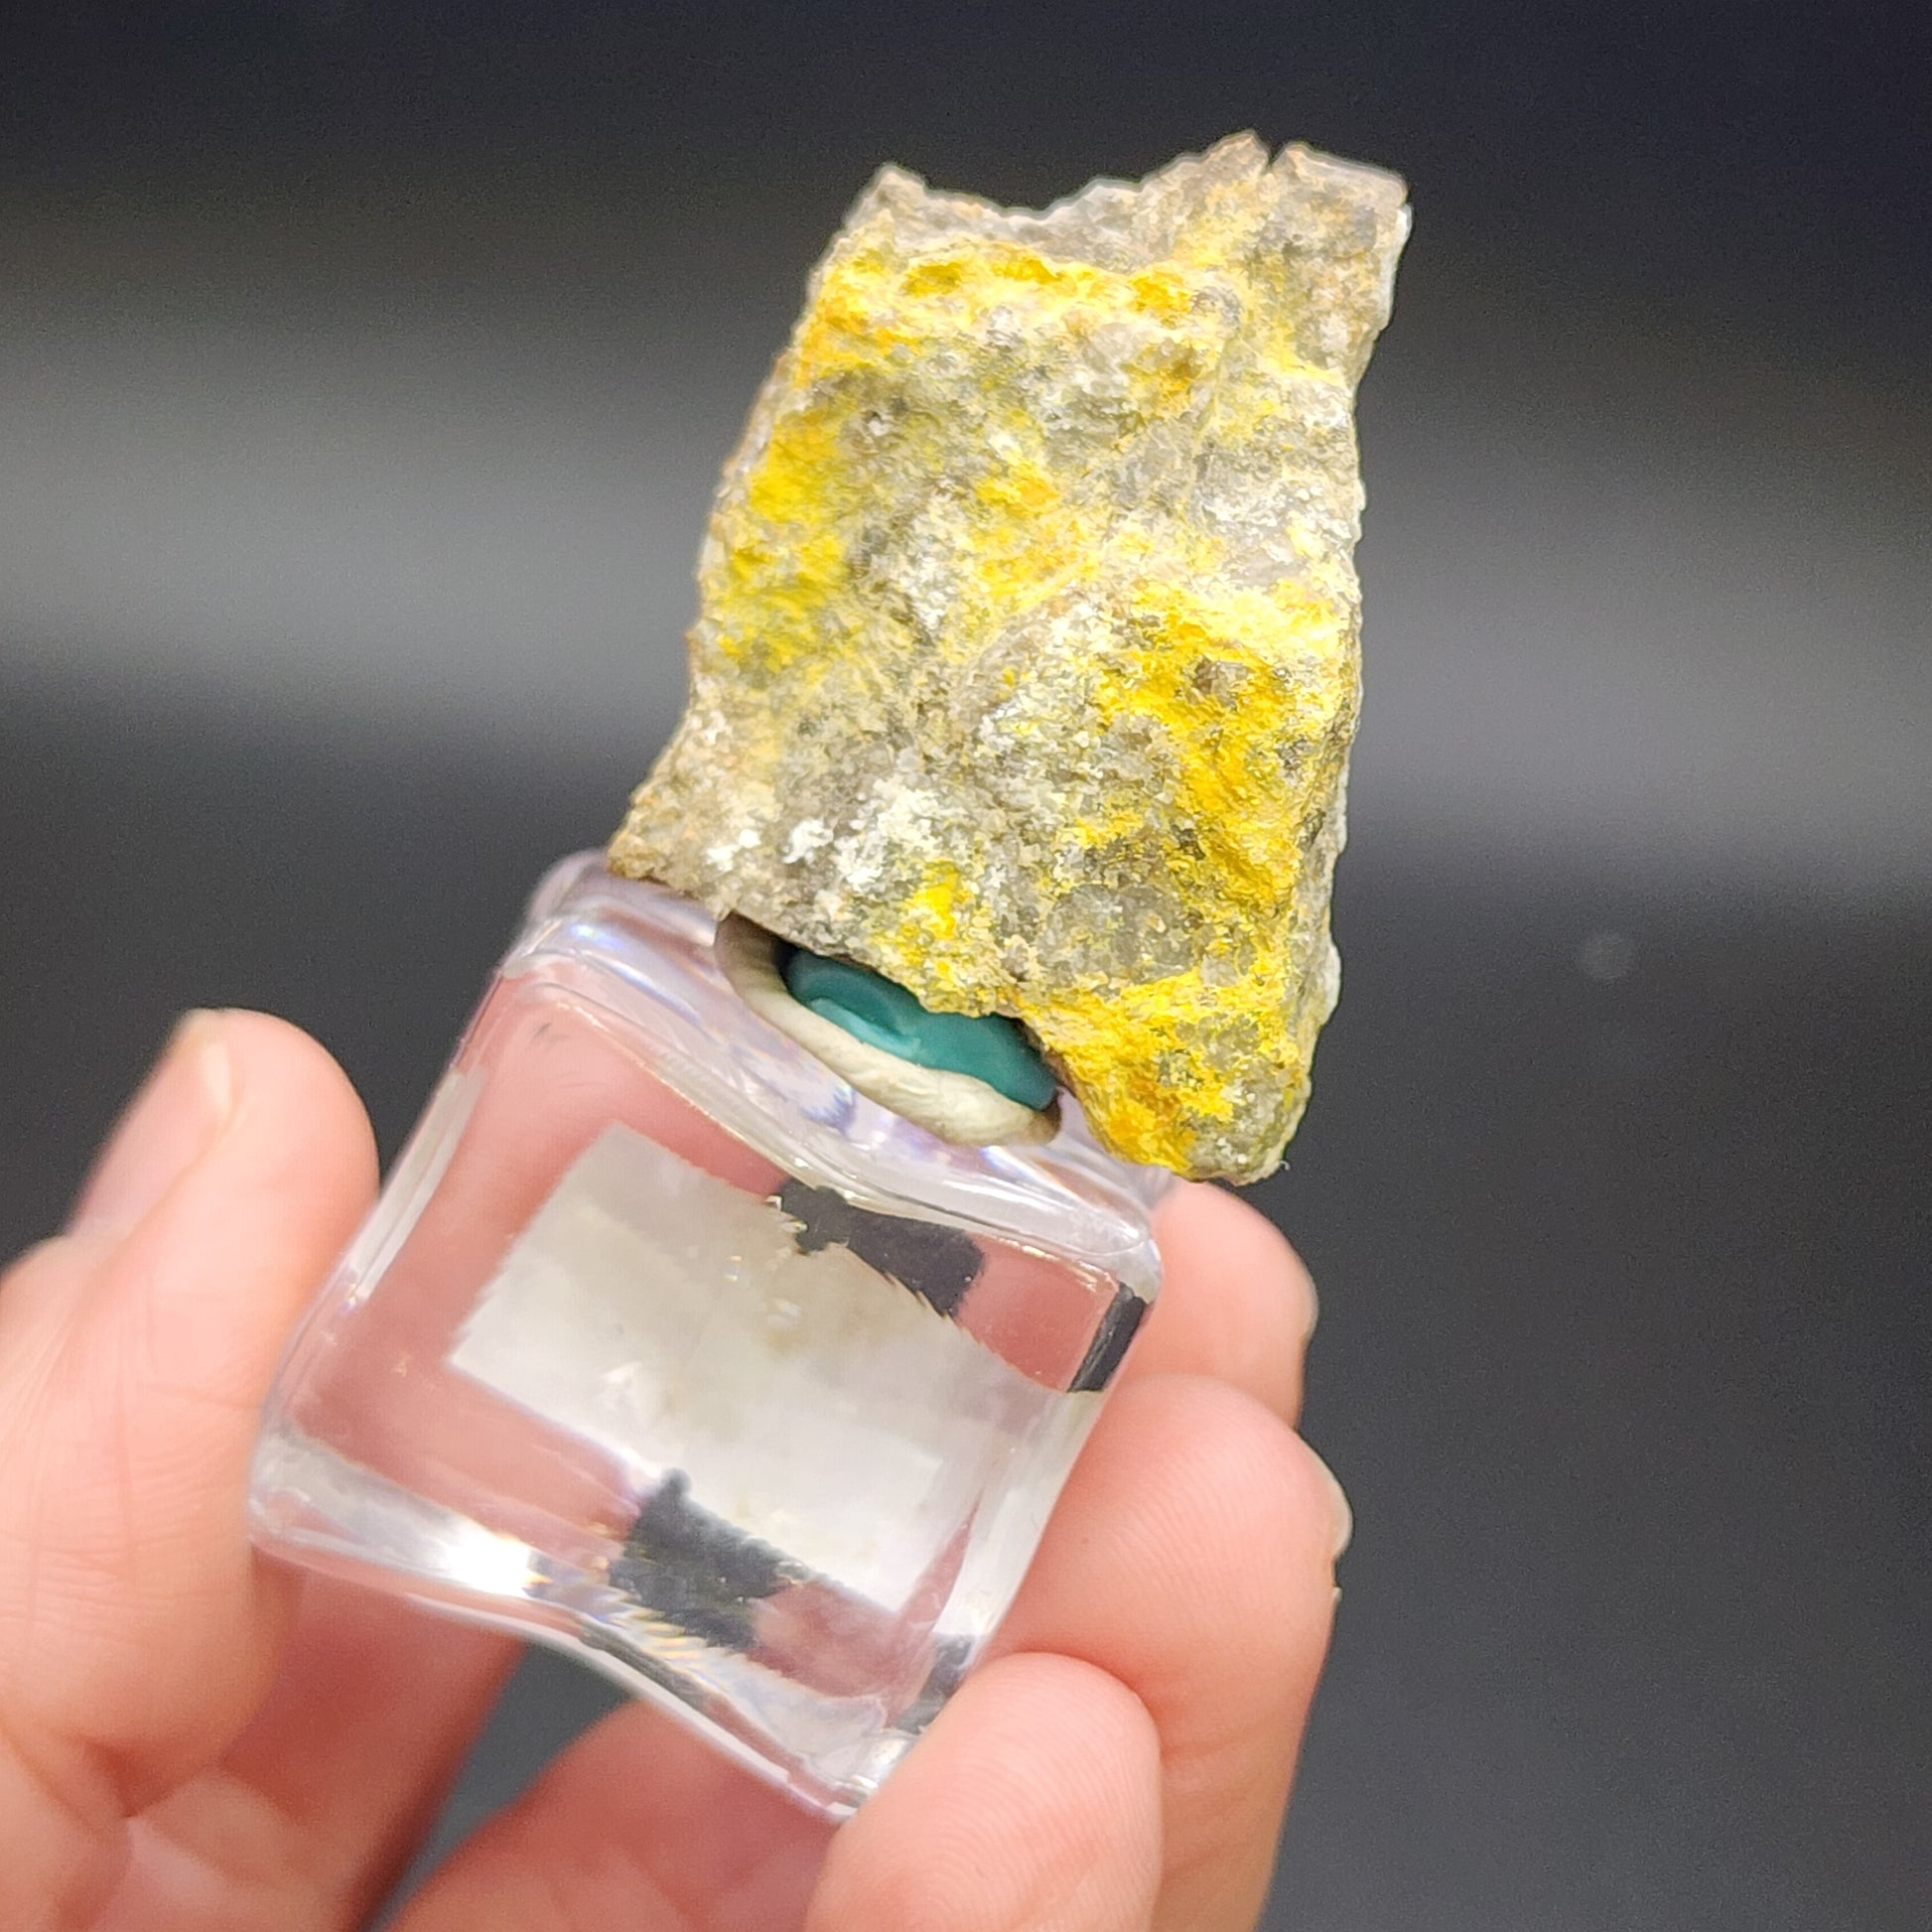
x,y
1027,662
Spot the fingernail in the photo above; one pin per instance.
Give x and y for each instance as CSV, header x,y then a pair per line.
x,y
1345,1516
167,1126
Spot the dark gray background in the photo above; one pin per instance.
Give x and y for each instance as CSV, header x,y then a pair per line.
x,y
363,372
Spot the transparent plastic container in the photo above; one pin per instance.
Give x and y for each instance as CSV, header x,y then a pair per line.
x,y
665,1346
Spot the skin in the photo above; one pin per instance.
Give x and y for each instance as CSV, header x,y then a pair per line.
x,y
192,1737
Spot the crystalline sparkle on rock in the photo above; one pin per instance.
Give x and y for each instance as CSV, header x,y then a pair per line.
x,y
1027,661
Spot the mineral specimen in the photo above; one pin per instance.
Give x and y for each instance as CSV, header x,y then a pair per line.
x,y
1027,662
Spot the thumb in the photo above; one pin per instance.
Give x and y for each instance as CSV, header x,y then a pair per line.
x,y
135,1350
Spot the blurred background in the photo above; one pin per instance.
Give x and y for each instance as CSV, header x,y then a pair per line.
x,y
363,374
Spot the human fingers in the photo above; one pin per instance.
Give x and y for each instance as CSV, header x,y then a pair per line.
x,y
1235,1301
640,1823
306,1820
1032,1805
134,1351
1192,1558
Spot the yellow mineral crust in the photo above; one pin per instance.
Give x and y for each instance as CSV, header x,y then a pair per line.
x,y
1027,661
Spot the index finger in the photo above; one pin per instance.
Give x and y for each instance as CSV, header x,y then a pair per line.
x,y
1235,1304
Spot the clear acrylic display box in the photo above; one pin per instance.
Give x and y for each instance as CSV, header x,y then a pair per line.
x,y
667,1347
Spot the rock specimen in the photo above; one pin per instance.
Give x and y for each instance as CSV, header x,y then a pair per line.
x,y
1027,661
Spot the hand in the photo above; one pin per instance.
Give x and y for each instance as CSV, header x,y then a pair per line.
x,y
191,1736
